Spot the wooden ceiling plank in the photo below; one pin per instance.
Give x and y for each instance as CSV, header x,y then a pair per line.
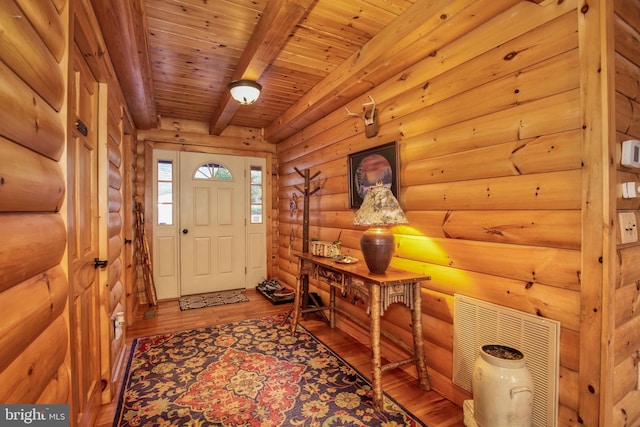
x,y
126,21
278,20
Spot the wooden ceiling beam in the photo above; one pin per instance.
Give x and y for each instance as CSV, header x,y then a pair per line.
x,y
278,20
379,57
125,35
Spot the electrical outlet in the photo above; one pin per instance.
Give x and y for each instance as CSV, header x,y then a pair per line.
x,y
628,227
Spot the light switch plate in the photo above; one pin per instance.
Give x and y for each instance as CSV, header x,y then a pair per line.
x,y
628,227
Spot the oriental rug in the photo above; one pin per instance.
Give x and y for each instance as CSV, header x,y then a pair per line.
x,y
210,300
247,373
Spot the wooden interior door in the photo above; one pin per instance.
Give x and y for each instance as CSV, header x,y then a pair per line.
x,y
82,158
212,224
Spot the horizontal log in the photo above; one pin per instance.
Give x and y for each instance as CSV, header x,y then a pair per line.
x,y
536,299
59,388
116,298
536,155
114,271
525,121
113,153
551,190
570,349
627,340
45,19
627,409
27,119
114,132
114,177
625,77
627,303
37,185
555,229
25,379
568,388
531,264
114,247
629,267
114,200
47,296
624,383
626,32
567,417
22,253
24,52
627,116
114,224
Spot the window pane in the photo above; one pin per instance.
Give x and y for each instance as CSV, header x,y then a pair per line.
x,y
165,214
165,192
213,171
165,170
256,194
256,175
256,214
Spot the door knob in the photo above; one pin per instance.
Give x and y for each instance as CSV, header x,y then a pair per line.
x,y
185,231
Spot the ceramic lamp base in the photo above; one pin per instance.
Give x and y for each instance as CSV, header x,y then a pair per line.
x,y
377,244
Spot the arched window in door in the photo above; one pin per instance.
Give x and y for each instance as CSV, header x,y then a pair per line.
x,y
214,171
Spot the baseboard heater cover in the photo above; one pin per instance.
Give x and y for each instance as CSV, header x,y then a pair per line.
x,y
477,323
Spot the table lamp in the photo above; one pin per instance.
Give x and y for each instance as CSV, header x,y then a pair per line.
x,y
379,210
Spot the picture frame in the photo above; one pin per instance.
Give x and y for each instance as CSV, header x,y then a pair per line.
x,y
367,167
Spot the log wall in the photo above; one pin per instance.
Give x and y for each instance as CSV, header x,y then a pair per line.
x,y
626,300
34,355
491,148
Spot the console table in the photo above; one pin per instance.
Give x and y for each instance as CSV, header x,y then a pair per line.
x,y
380,291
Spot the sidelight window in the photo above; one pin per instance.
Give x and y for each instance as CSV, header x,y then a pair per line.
x,y
165,192
256,193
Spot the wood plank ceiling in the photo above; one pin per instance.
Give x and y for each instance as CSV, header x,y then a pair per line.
x,y
174,58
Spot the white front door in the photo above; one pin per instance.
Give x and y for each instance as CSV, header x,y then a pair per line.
x,y
212,223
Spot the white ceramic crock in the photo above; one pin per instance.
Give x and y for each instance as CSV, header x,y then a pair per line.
x,y
502,388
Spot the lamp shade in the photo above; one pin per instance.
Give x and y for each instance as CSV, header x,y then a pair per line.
x,y
246,92
379,209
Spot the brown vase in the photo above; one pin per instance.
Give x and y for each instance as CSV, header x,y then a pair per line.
x,y
377,244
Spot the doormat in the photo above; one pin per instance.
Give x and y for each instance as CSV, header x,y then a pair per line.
x,y
210,300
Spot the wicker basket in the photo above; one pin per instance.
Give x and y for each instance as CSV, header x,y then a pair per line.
x,y
325,249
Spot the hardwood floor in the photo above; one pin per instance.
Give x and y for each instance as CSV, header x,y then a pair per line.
x,y
430,407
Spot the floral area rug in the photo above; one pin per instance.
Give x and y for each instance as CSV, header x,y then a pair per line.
x,y
247,373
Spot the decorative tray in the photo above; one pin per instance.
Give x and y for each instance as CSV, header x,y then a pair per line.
x,y
344,259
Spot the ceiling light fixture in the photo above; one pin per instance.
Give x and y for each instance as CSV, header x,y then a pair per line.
x,y
246,92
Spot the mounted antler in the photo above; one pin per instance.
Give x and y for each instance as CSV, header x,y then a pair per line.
x,y
368,116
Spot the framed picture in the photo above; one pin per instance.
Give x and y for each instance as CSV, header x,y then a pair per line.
x,y
368,167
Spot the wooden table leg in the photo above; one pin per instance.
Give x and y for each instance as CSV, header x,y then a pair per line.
x,y
332,306
374,332
418,342
297,299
